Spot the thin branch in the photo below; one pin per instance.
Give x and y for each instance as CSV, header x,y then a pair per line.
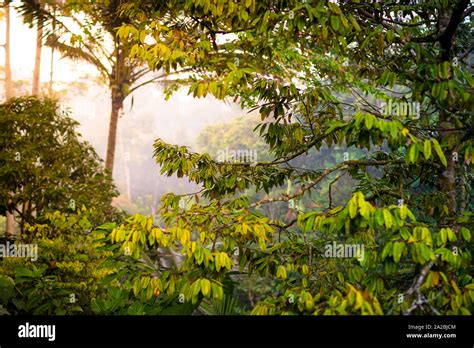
x,y
330,189
157,78
325,173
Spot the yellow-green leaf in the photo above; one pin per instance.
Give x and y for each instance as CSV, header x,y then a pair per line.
x,y
412,153
440,153
354,23
369,121
387,217
466,234
427,149
205,287
324,31
403,212
335,23
398,248
352,208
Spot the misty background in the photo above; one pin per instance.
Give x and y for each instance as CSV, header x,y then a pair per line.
x,y
146,116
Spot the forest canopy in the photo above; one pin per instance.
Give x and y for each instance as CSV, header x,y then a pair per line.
x,y
350,192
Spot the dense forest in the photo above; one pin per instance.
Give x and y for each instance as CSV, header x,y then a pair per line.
x,y
341,182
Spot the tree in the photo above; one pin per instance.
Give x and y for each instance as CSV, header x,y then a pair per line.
x,y
94,41
10,219
44,167
35,89
8,69
61,276
318,73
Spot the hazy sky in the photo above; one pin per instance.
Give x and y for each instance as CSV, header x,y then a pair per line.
x,y
178,120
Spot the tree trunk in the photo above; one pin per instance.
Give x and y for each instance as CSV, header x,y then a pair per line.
x,y
51,69
117,104
51,63
36,73
447,26
126,169
10,218
8,69
117,84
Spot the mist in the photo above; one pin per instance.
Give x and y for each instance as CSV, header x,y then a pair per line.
x,y
145,117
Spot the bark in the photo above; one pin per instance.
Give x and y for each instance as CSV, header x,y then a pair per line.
x,y
117,104
51,63
463,197
10,218
448,29
118,82
10,224
51,70
8,70
36,72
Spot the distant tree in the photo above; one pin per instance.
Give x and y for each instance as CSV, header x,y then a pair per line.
x,y
92,38
35,88
45,167
8,69
10,219
236,135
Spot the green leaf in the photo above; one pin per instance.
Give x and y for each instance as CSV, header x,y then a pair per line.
x,y
369,121
379,217
324,31
390,35
334,8
352,208
405,234
444,235
388,219
23,272
440,153
403,212
97,306
231,66
386,250
205,287
451,234
398,248
466,234
427,149
142,36
6,282
354,23
425,251
136,309
335,23
136,286
413,153
196,287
